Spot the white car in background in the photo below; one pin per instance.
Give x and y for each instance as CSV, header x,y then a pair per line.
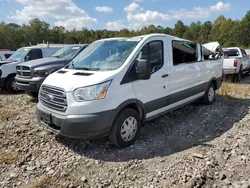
x,y
4,55
8,67
236,62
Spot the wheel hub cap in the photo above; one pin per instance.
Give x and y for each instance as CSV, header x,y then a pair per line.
x,y
14,86
129,129
211,94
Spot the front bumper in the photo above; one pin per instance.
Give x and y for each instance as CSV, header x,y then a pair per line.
x,y
87,127
29,85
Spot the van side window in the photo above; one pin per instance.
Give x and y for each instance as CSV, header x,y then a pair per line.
x,y
35,54
153,52
184,52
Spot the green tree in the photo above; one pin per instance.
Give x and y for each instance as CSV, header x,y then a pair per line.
x,y
244,31
215,33
192,33
179,29
204,32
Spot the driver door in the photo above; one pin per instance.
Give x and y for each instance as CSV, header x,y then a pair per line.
x,y
153,93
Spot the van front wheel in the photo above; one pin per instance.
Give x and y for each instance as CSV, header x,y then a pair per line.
x,y
126,128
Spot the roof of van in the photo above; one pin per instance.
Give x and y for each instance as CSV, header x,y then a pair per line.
x,y
143,36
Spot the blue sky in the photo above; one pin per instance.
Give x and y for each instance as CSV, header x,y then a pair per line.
x,y
118,14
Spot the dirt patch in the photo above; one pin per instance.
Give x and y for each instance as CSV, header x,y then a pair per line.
x,y
195,146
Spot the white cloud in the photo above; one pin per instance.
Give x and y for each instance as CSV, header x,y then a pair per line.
x,y
154,17
138,1
65,11
148,16
104,9
199,12
76,23
133,7
116,25
220,6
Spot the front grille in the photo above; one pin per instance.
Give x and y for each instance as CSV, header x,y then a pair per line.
x,y
54,98
23,71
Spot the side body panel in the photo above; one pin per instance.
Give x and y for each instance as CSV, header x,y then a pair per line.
x,y
153,92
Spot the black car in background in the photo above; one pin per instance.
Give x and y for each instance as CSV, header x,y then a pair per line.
x,y
30,75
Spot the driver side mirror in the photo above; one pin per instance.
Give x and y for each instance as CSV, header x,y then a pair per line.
x,y
143,70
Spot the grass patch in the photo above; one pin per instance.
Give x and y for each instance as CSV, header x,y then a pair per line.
x,y
41,182
6,115
230,90
9,158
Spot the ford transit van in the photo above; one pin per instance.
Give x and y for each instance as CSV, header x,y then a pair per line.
x,y
116,85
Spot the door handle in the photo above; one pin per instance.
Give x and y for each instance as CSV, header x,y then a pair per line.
x,y
164,75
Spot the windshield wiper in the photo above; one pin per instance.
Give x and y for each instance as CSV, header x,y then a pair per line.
x,y
57,56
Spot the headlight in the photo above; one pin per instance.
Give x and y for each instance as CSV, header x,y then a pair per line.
x,y
90,93
41,73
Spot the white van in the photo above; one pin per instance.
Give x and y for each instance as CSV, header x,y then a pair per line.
x,y
115,85
8,68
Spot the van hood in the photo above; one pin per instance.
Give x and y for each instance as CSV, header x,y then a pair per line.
x,y
44,62
69,79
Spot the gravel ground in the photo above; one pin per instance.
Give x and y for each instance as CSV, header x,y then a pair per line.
x,y
195,146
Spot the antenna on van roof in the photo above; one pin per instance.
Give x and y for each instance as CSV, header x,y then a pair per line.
x,y
30,44
43,42
47,43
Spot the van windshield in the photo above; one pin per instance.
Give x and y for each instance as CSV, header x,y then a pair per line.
x,y
104,55
67,52
18,55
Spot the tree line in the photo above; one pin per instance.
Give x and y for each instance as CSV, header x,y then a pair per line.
x,y
224,30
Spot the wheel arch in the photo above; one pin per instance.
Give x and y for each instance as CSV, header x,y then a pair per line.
x,y
135,104
213,81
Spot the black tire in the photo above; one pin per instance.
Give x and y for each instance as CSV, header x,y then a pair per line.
x,y
10,85
238,77
115,135
208,99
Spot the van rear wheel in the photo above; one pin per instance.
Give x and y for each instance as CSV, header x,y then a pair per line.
x,y
126,128
209,96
